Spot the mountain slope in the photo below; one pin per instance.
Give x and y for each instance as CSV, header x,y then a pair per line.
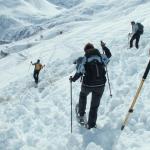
x,y
18,17
39,118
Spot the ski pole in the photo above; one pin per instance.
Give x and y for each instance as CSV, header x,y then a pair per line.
x,y
136,96
107,77
71,101
129,36
108,82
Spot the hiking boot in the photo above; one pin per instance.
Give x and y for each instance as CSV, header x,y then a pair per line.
x,y
81,119
89,127
36,81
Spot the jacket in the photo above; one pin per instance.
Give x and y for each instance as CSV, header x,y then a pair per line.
x,y
38,66
92,54
135,28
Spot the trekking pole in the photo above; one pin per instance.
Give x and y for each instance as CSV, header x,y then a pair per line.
x,y
29,67
108,82
136,96
129,36
108,78
71,101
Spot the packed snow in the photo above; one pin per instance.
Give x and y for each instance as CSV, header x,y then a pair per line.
x,y
55,31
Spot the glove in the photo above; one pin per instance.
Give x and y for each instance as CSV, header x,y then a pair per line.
x,y
130,34
71,79
103,44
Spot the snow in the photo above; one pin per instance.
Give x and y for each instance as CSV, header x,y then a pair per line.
x,y
39,118
22,18
66,4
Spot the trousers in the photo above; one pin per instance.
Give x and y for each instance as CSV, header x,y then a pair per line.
x,y
36,75
136,37
97,93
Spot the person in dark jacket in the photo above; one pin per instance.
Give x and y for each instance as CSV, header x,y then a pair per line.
x,y
92,70
38,67
136,33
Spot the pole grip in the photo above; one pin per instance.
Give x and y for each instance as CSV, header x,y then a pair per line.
x,y
146,71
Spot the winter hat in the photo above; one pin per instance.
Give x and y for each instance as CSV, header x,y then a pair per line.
x,y
88,46
132,22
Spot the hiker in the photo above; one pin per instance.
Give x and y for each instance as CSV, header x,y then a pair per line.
x,y
38,67
92,71
137,31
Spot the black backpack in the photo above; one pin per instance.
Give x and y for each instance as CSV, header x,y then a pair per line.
x,y
95,72
140,28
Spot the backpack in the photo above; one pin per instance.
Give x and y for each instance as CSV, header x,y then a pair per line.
x,y
38,66
95,72
140,28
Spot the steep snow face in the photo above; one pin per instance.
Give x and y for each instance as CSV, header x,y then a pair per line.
x,y
27,7
6,23
19,19
23,32
39,118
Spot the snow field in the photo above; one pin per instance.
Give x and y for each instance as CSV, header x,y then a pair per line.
x,y
39,118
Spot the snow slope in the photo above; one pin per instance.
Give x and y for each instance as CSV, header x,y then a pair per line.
x,y
22,18
39,118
